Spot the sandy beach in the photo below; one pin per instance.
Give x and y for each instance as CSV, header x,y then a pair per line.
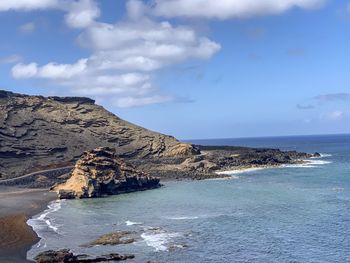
x,y
16,207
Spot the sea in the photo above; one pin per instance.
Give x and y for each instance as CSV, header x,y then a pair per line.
x,y
295,213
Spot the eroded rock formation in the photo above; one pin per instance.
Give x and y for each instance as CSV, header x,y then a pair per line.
x,y
101,172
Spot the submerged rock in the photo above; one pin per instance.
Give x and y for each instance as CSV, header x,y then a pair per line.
x,y
116,238
101,172
64,255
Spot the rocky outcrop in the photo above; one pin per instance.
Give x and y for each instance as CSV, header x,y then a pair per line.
x,y
36,131
116,238
65,256
101,172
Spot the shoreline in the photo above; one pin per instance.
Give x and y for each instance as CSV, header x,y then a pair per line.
x,y
300,163
17,236
16,207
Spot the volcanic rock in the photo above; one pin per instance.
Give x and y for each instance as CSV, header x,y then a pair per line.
x,y
37,131
65,256
116,238
101,172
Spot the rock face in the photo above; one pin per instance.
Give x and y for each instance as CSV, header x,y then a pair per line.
x,y
101,172
37,132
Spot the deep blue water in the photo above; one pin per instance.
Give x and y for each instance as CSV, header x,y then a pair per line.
x,y
290,214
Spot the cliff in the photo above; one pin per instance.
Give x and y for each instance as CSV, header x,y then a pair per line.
x,y
38,133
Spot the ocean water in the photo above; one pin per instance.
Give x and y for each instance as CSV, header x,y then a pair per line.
x,y
290,214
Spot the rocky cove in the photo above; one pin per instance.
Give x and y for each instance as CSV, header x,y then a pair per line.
x,y
80,150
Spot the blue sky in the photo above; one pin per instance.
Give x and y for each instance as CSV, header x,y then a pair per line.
x,y
192,69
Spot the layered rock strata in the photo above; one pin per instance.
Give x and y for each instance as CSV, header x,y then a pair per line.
x,y
101,172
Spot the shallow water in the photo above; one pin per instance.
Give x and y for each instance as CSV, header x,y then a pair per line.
x,y
290,214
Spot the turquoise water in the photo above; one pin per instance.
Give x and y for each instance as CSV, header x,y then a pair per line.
x,y
290,214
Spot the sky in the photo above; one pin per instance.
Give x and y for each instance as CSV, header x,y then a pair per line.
x,y
193,69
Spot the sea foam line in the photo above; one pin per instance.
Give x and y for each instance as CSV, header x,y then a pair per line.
x,y
42,220
240,171
308,164
182,217
131,223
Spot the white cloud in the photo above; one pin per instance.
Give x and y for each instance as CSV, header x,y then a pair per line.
x,y
79,13
22,71
10,59
82,13
141,101
62,71
334,115
49,71
226,9
125,56
27,5
123,59
27,28
144,46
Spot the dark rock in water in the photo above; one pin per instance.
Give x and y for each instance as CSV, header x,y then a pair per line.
x,y
66,194
101,172
52,256
316,154
64,255
116,238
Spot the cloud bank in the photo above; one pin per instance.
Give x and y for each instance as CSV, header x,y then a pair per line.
x,y
79,13
227,9
126,56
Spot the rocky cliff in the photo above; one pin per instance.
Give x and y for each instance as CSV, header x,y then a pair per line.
x,y
38,133
101,172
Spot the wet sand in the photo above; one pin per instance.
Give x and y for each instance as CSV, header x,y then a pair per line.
x,y
16,207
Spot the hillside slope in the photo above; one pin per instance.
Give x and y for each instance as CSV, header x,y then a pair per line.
x,y
38,132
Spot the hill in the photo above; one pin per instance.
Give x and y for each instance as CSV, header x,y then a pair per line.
x,y
39,133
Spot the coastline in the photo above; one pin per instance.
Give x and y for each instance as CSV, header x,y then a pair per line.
x,y
306,163
20,204
16,207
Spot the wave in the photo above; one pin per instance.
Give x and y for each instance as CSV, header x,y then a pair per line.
x,y
43,221
131,223
183,217
240,171
159,239
310,163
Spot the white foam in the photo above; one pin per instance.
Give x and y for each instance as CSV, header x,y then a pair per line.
x,y
232,177
326,155
309,163
159,239
182,218
240,171
43,220
131,223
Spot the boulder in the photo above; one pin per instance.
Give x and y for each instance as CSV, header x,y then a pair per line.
x,y
101,172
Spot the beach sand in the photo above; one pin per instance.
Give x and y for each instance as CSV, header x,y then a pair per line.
x,y
16,207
